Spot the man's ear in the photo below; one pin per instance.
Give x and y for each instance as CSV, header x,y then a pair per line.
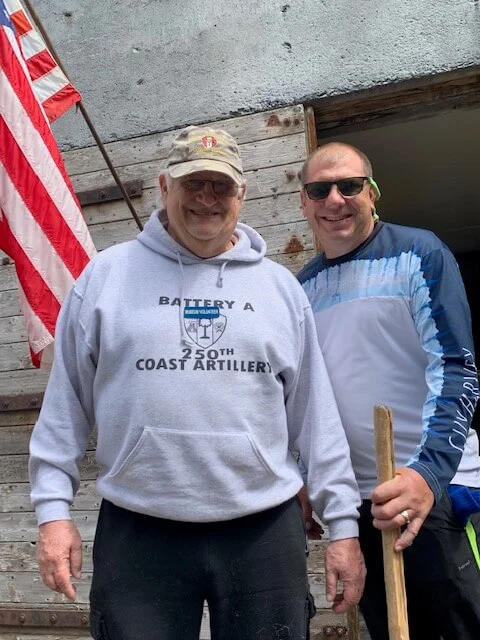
x,y
162,180
302,200
243,192
163,183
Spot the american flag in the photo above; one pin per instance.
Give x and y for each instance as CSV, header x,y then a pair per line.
x,y
41,224
50,84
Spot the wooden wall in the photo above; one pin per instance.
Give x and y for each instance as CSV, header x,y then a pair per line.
x,y
273,147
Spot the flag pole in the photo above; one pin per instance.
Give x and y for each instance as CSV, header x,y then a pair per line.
x,y
85,115
392,560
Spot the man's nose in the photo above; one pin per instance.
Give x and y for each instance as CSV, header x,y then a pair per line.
x,y
334,196
207,195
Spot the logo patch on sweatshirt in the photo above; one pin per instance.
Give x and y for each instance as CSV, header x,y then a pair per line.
x,y
201,312
204,325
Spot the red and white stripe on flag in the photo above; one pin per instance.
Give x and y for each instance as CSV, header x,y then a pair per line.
x,y
51,86
41,224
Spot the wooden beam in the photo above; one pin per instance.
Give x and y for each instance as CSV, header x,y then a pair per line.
x,y
110,193
312,143
15,402
399,102
310,130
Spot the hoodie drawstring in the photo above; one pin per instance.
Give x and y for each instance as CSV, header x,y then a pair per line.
x,y
220,274
183,332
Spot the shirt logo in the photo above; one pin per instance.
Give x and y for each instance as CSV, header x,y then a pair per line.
x,y
209,142
204,325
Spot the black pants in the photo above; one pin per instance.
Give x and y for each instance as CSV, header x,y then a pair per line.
x,y
441,576
152,576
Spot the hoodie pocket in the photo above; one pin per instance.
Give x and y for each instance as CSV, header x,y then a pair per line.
x,y
188,467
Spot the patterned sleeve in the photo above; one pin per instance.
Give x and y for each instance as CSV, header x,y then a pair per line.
x,y
442,318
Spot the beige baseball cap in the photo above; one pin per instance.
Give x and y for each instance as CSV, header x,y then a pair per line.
x,y
204,149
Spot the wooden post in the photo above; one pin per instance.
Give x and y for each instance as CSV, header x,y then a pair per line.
x,y
353,624
392,560
312,144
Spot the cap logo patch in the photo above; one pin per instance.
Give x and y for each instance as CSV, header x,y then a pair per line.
x,y
209,142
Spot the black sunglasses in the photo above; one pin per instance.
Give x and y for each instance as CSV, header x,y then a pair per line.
x,y
220,187
348,187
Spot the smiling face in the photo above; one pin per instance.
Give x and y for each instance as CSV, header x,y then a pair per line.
x,y
201,221
340,223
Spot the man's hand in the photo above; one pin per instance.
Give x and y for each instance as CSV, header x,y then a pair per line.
x,y
407,492
314,528
344,563
59,555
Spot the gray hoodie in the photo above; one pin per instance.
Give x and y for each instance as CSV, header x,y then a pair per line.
x,y
202,376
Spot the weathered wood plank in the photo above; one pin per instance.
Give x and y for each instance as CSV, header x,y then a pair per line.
x,y
20,557
294,261
15,496
18,418
322,620
245,129
12,329
279,209
255,156
9,302
29,381
14,356
8,277
288,238
22,527
14,468
258,212
27,587
278,177
398,102
15,439
106,212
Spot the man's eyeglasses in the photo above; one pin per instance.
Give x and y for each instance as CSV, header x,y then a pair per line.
x,y
220,187
348,187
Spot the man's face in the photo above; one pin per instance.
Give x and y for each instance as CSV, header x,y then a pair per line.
x,y
201,219
340,223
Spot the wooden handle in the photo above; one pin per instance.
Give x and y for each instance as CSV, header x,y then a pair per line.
x,y
392,560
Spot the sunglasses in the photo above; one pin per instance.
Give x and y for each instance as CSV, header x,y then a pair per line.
x,y
348,187
220,188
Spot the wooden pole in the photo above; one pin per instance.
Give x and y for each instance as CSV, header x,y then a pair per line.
x,y
86,117
392,560
353,624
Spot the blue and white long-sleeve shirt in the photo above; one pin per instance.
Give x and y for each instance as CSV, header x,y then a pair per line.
x,y
395,329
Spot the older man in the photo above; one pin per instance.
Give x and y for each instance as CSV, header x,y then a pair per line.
x,y
394,326
197,359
